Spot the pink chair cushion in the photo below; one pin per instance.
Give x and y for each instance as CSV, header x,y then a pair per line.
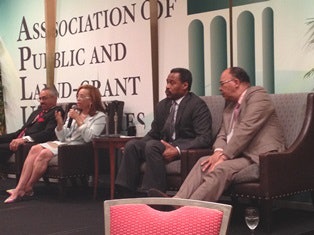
x,y
140,219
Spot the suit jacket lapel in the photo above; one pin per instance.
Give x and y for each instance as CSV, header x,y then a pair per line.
x,y
181,108
228,117
31,118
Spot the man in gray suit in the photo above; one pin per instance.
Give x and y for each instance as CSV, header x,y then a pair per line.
x,y
249,128
191,120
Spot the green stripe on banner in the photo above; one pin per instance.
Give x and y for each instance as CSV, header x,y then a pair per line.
x,y
199,6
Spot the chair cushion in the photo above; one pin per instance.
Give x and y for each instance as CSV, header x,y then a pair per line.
x,y
173,168
140,219
290,109
248,174
12,158
53,161
216,105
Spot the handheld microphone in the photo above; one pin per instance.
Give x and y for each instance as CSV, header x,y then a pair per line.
x,y
71,119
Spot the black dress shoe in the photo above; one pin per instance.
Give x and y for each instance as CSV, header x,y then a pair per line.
x,y
156,193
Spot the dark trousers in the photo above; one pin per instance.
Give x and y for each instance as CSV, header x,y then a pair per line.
x,y
136,152
5,151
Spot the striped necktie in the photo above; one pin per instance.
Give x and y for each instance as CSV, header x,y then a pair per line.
x,y
169,126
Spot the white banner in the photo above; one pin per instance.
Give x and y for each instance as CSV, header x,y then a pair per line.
x,y
107,44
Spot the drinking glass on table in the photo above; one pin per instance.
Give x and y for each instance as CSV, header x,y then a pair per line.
x,y
251,218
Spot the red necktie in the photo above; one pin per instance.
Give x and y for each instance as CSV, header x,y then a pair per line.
x,y
40,115
22,133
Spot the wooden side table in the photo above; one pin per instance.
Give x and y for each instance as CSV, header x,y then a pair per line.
x,y
112,143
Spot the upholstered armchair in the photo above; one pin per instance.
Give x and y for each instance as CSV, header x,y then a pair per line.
x,y
286,173
178,169
73,161
289,172
8,167
11,167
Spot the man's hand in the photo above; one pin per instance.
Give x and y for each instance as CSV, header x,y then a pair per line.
x,y
170,151
16,143
212,161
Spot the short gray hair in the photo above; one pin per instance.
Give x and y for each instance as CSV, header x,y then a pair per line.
x,y
53,91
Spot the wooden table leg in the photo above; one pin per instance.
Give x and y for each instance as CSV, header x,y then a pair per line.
x,y
112,169
96,173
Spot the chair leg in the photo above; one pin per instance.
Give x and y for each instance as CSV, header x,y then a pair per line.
x,y
3,176
61,186
73,182
312,196
84,181
234,200
266,214
46,180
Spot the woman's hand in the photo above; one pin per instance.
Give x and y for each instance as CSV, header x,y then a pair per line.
x,y
59,119
73,113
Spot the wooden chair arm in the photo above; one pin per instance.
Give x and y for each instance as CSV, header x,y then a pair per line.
x,y
287,172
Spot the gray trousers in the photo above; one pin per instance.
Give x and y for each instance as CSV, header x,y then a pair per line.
x,y
209,186
136,152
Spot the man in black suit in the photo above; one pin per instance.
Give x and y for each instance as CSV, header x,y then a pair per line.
x,y
38,128
192,129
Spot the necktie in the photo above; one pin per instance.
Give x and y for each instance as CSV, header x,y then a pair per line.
x,y
170,122
236,111
235,115
22,133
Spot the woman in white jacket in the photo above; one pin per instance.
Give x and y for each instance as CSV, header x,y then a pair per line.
x,y
84,123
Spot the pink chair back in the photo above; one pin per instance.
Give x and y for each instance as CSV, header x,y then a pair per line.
x,y
140,219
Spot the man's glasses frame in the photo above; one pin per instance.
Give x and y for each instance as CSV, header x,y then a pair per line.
x,y
43,98
224,82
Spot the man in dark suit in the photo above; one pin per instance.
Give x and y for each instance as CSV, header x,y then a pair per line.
x,y
38,128
189,127
250,127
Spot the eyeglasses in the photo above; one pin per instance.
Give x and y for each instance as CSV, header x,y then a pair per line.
x,y
82,97
43,98
224,82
